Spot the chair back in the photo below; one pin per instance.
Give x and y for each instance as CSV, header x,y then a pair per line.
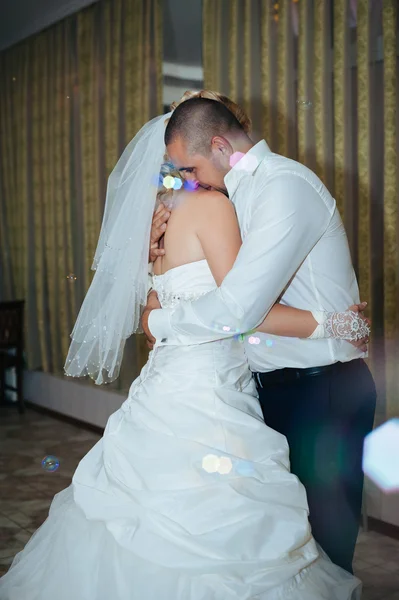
x,y
12,325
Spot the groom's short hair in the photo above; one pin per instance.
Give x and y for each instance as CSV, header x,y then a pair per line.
x,y
197,121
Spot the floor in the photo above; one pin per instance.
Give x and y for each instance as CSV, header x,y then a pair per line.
x,y
27,490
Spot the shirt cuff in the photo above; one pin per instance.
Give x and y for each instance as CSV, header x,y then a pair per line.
x,y
159,323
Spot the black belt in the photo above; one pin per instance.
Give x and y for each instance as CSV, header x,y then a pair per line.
x,y
288,374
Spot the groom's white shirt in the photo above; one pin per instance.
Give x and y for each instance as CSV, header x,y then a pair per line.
x,y
294,250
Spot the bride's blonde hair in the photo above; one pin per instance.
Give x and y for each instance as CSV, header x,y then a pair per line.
x,y
239,113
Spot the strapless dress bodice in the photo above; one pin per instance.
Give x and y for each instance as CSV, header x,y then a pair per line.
x,y
185,282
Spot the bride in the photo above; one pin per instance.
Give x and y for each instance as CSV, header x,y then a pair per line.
x,y
188,495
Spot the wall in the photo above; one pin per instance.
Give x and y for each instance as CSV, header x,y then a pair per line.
x,y
21,18
72,397
182,48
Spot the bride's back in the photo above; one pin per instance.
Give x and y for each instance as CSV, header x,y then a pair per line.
x,y
181,242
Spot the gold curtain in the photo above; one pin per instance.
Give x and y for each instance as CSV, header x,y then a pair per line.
x,y
391,211
320,91
70,99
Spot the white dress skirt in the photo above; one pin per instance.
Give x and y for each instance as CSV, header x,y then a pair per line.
x,y
187,496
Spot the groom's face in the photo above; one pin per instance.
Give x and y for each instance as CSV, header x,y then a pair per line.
x,y
209,169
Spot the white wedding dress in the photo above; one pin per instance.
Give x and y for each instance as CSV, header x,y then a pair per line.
x,y
188,495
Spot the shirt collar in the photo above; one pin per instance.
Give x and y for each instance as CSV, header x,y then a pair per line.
x,y
247,165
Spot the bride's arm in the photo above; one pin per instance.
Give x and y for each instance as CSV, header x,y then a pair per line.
x,y
219,235
289,322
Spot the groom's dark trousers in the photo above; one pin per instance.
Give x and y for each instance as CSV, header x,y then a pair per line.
x,y
325,413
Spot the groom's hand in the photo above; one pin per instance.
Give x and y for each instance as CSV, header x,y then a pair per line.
x,y
359,308
152,302
158,228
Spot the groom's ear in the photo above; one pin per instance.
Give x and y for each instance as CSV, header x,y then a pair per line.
x,y
222,145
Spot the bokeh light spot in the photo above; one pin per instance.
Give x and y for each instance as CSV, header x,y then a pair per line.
x,y
245,162
190,186
168,182
234,158
225,465
210,463
380,456
244,468
178,184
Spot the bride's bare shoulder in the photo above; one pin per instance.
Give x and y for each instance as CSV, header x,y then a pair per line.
x,y
208,200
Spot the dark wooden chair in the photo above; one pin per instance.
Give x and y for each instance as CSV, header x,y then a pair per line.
x,y
12,348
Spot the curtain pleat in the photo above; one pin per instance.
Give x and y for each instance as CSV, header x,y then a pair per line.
x,y
49,206
364,152
38,50
88,136
6,290
158,53
147,60
134,56
321,101
233,48
283,76
304,102
66,259
112,20
18,123
266,90
247,58
61,199
10,216
391,223
341,58
208,42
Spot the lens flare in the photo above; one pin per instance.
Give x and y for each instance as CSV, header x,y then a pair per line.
x,y
245,162
215,464
168,182
380,456
178,184
191,186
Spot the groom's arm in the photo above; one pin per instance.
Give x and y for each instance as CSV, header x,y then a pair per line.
x,y
289,218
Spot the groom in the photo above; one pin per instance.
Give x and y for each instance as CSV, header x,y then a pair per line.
x,y
318,393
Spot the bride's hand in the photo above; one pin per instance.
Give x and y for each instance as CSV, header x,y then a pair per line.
x,y
158,228
152,303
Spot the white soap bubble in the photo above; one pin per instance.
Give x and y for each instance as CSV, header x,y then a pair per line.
x,y
304,104
50,463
